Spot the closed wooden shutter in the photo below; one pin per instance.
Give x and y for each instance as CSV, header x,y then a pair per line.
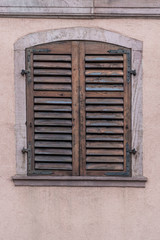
x,y
78,109
105,110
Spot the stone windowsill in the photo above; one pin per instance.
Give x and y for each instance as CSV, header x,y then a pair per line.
x,y
77,181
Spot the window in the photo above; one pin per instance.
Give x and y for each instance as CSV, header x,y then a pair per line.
x,y
78,109
83,109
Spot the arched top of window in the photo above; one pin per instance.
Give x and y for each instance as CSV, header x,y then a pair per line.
x,y
77,33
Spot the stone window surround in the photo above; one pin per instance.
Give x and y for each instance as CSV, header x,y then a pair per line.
x,y
78,33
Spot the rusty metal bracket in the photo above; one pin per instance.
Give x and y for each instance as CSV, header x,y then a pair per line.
x,y
133,151
25,150
127,173
41,50
24,72
128,53
133,72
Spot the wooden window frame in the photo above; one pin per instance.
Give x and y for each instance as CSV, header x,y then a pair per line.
x,y
91,34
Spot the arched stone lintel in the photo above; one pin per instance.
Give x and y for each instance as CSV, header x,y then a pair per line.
x,y
77,33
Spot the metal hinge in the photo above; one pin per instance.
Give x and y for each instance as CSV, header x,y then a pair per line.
x,y
25,150
128,163
24,72
133,151
133,72
42,50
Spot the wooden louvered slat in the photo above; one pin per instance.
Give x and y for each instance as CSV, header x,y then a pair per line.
x,y
104,152
53,129
52,122
106,123
104,137
104,159
90,144
53,87
104,80
48,158
57,72
52,65
99,72
92,115
104,65
52,94
104,108
53,100
103,58
48,151
51,144
53,108
106,130
105,166
53,115
53,137
104,94
100,101
98,87
54,58
52,79
54,166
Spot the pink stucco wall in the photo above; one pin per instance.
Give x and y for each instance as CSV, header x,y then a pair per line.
x,y
47,213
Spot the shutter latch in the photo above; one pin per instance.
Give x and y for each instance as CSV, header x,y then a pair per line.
x,y
133,151
24,72
133,72
25,150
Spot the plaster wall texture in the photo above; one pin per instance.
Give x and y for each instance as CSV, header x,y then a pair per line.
x,y
56,213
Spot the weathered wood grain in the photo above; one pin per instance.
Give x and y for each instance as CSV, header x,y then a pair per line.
x,y
104,79
52,79
53,108
53,137
53,115
52,122
75,109
105,159
106,123
48,151
105,145
53,100
103,166
54,166
82,111
51,144
52,87
105,101
104,137
52,65
47,158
